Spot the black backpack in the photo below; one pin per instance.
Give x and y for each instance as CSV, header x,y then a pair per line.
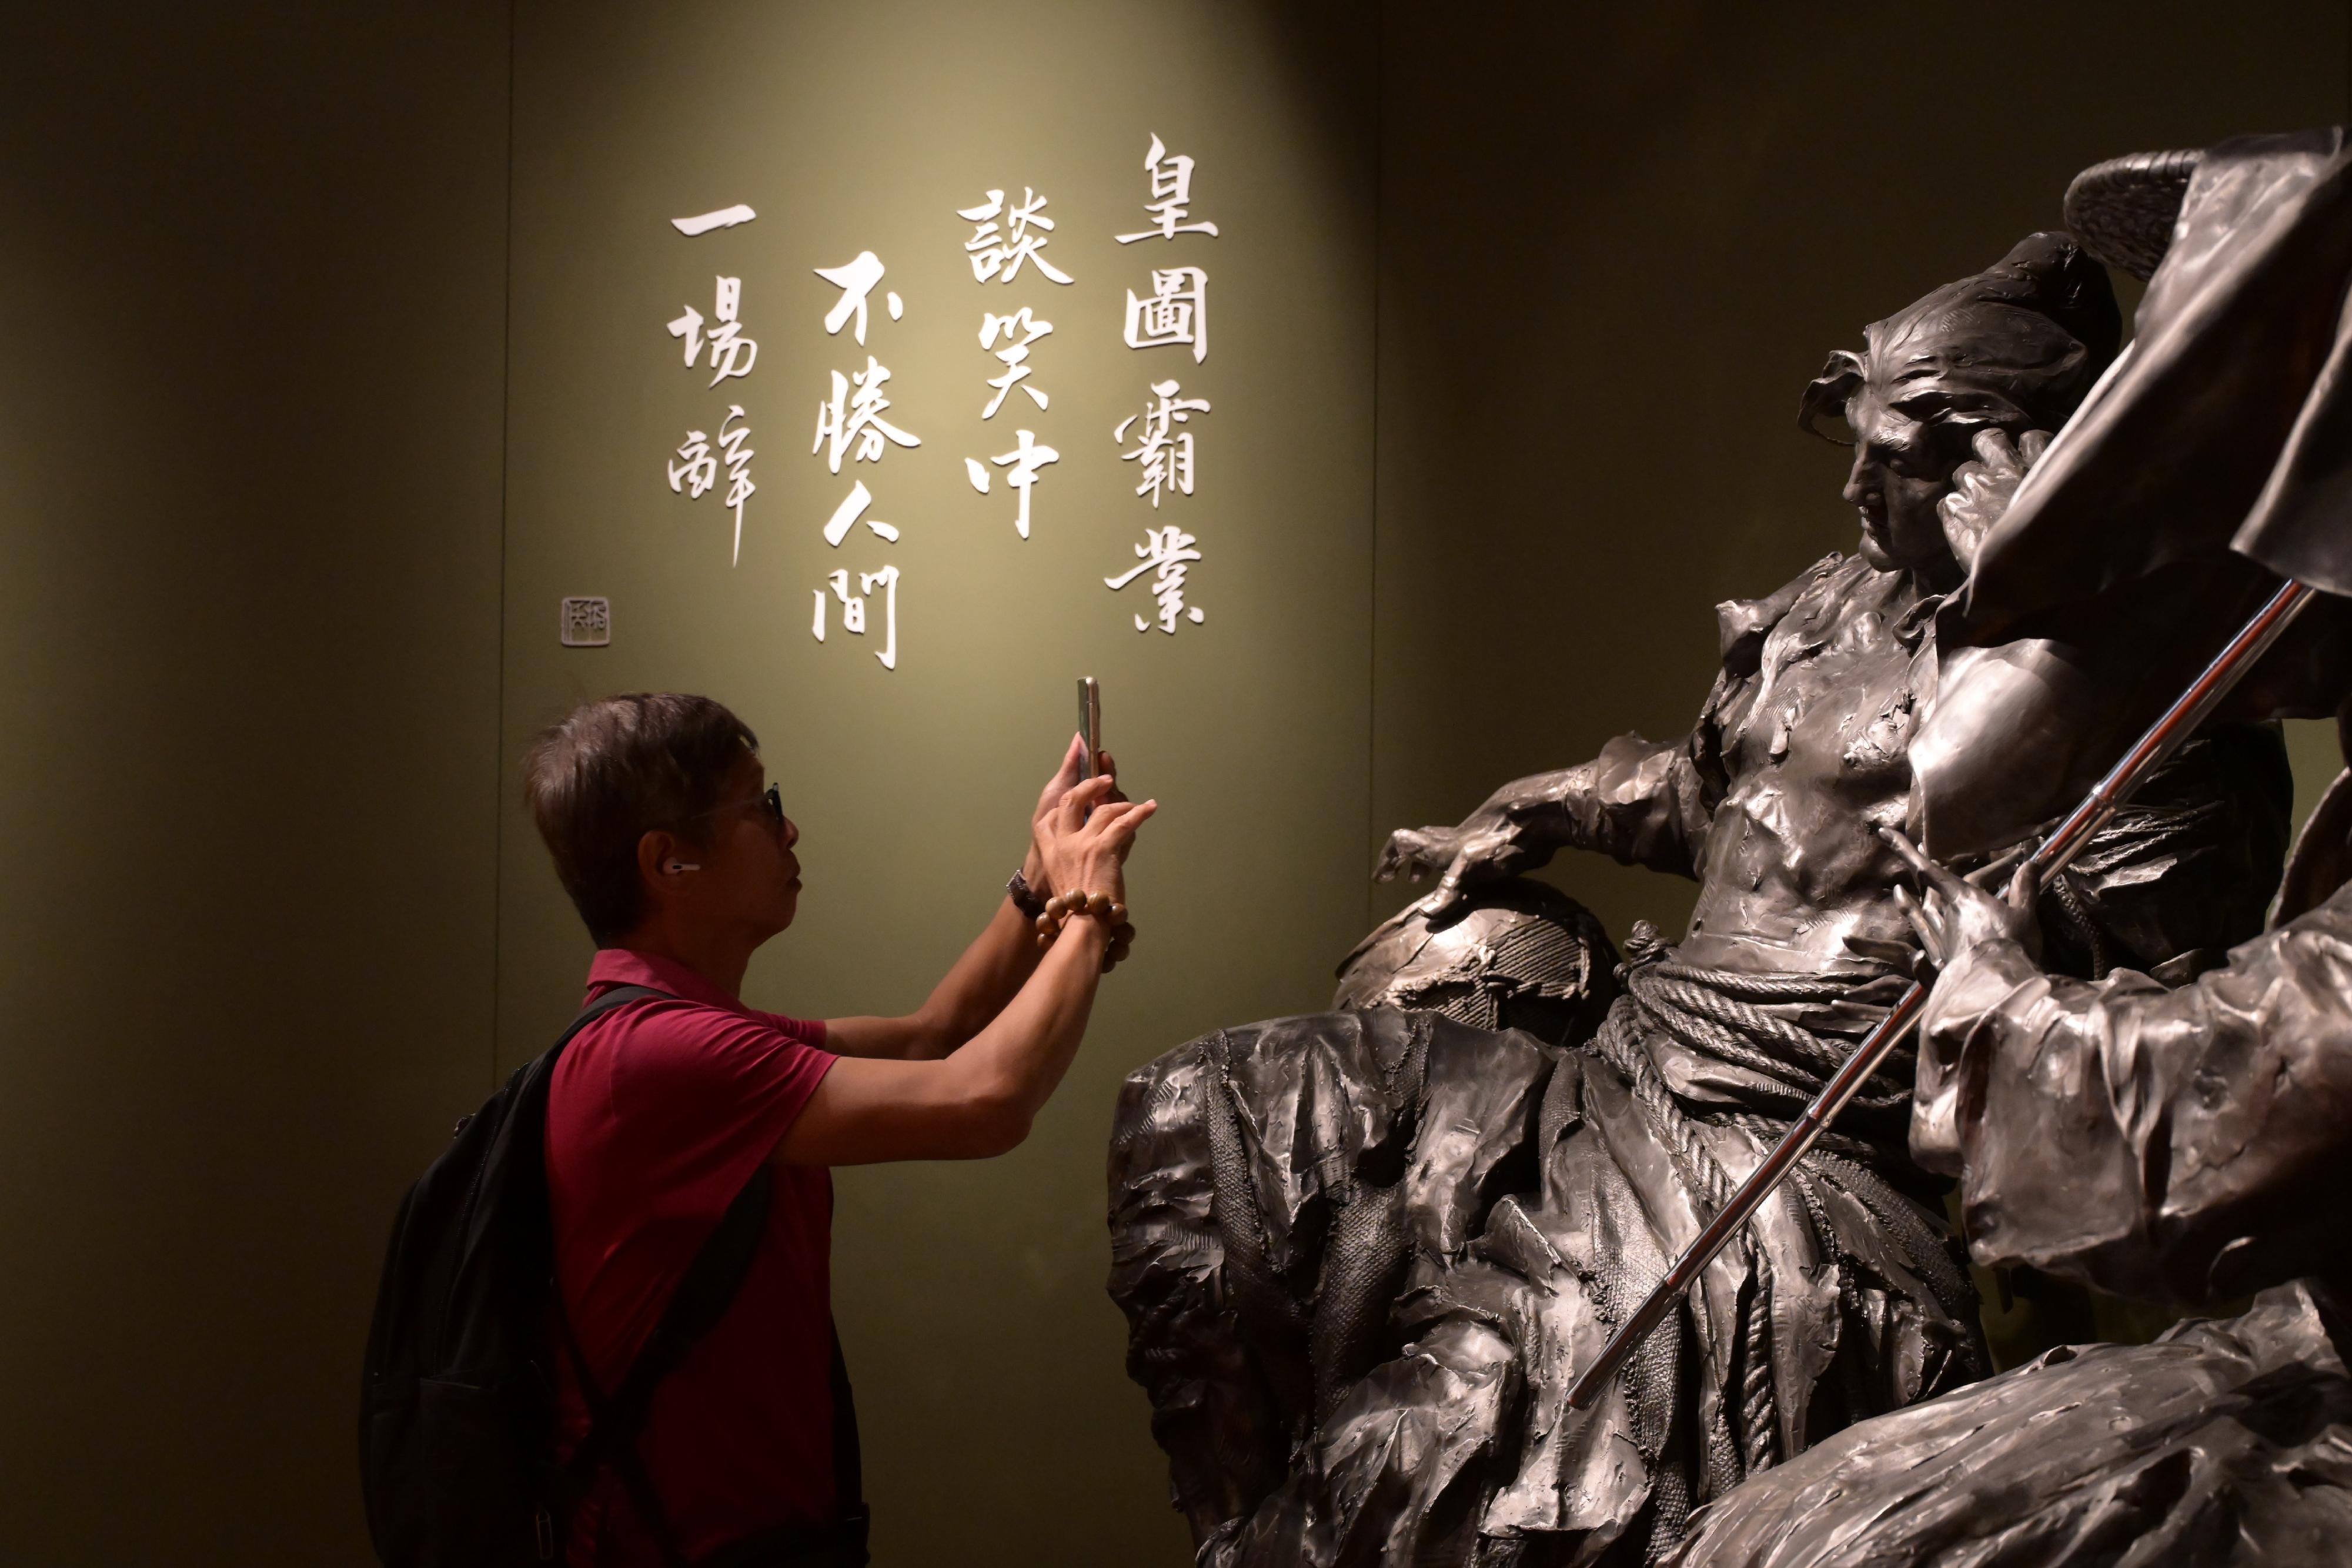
x,y
456,1412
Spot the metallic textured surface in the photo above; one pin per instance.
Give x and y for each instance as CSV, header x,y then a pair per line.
x,y
2184,1143
2172,1135
1250,1173
2111,573
2222,1444
1272,1185
2322,859
2123,210
2188,1130
2227,418
1528,957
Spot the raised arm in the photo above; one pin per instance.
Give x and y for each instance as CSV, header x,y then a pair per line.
x,y
981,983
1643,802
980,1100
990,972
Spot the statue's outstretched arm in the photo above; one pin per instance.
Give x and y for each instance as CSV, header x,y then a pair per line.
x,y
1643,802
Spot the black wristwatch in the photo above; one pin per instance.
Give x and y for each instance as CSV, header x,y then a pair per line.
x,y
1024,897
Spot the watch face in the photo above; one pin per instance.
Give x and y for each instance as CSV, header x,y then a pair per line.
x,y
1024,897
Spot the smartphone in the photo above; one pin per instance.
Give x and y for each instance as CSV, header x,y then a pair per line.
x,y
1090,725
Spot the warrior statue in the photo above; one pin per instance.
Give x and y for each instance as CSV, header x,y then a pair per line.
x,y
1364,1253
2182,1145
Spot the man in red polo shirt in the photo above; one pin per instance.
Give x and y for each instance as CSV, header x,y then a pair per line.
x,y
679,858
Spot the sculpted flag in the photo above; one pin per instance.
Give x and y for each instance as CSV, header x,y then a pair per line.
x,y
2214,457
2225,421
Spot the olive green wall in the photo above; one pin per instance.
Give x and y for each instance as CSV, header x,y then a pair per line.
x,y
274,917
1617,242
252,277
999,1424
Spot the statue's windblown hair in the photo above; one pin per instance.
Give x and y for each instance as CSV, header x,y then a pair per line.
x,y
2020,343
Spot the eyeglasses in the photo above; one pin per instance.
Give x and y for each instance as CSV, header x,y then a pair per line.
x,y
771,802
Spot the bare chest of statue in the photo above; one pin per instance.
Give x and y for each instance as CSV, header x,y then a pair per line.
x,y
1814,744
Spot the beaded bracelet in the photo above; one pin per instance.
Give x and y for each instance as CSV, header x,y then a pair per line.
x,y
1063,906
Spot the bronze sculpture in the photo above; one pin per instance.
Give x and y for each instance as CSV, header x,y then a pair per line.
x,y
2181,1144
2185,1144
1363,1252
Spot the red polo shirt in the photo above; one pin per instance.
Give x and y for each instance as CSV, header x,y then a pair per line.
x,y
658,1112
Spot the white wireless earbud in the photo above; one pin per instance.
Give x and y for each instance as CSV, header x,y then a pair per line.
x,y
676,866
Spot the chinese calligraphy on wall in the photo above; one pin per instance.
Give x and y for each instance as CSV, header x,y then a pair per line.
x,y
997,251
1174,316
850,422
731,356
1007,244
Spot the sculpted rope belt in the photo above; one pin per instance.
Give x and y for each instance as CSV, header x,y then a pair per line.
x,y
1704,1009
1714,1013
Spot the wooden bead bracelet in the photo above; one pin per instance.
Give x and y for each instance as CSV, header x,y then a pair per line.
x,y
1063,906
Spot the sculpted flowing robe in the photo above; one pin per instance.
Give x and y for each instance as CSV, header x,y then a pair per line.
x,y
2187,1145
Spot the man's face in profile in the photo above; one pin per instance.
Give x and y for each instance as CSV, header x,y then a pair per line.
x,y
749,874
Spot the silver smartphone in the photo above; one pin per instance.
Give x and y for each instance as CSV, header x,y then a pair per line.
x,y
1090,725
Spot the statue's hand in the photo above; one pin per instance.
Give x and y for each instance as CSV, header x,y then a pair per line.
x,y
1478,850
1953,915
1983,490
1416,853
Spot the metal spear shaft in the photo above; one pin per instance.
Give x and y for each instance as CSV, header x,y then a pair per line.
x,y
2162,740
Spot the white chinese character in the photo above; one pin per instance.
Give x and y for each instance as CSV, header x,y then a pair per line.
x,y
1025,460
1176,312
1165,552
888,578
1166,456
1172,196
845,418
1014,354
994,251
845,517
856,279
699,471
853,609
732,353
738,471
690,326
724,218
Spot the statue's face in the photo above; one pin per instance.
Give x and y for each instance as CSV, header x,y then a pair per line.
x,y
1931,379
1912,432
1898,477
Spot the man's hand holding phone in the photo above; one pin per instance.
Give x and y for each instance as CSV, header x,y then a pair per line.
x,y
1033,869
1082,840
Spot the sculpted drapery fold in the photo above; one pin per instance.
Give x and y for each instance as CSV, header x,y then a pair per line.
x,y
2194,1131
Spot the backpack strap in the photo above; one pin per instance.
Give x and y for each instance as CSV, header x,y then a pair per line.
x,y
702,1296
618,996
532,1076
